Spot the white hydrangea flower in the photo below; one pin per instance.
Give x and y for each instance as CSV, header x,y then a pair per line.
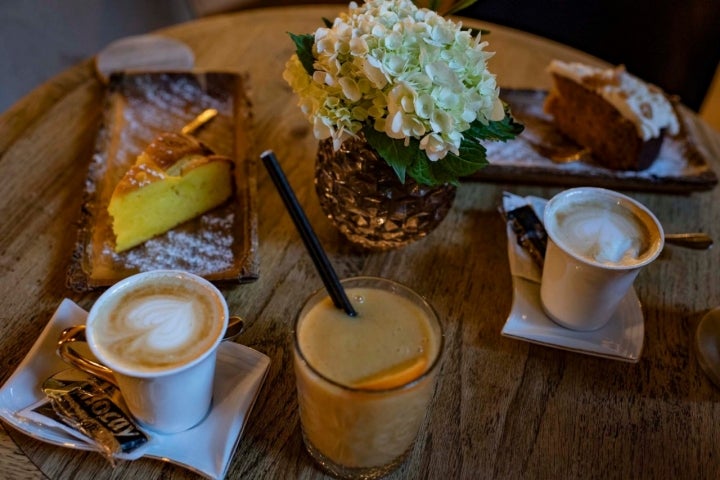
x,y
404,70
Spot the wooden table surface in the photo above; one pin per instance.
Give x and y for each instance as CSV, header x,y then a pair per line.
x,y
503,409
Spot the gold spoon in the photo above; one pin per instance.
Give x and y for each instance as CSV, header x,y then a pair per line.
x,y
204,117
697,241
71,356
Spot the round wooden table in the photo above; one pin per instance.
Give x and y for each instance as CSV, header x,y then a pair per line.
x,y
503,408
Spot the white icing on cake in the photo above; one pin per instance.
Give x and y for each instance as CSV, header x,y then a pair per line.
x,y
643,104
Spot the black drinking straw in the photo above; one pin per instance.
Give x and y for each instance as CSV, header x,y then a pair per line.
x,y
324,268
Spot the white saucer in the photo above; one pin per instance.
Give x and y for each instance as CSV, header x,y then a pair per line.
x,y
206,449
621,339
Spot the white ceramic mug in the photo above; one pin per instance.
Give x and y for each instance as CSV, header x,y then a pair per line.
x,y
598,240
155,335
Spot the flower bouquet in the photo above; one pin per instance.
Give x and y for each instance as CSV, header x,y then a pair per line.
x,y
415,85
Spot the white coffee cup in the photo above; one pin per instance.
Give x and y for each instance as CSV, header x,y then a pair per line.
x,y
598,240
155,335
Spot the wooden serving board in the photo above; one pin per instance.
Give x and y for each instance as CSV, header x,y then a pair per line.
x,y
218,245
681,166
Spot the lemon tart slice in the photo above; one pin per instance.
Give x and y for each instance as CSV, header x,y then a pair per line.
x,y
175,179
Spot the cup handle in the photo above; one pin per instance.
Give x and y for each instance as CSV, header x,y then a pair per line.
x,y
66,352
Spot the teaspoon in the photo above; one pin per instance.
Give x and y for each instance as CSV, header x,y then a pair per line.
x,y
60,381
707,344
234,328
697,241
204,117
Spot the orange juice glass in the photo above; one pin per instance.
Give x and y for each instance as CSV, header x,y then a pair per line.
x,y
365,382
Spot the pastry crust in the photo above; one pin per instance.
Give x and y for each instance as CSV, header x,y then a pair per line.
x,y
174,180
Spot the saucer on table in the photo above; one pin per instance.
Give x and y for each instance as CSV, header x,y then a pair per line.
x,y
206,448
621,339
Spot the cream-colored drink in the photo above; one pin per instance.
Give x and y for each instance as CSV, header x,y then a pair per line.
x,y
602,230
598,240
376,375
155,334
157,325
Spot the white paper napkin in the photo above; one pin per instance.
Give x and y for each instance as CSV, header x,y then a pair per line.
x,y
521,264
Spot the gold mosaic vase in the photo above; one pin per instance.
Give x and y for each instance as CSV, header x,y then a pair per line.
x,y
363,197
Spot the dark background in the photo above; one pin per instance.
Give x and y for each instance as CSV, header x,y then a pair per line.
x,y
673,44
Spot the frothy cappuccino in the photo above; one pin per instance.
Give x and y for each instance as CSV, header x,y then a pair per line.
x,y
598,240
602,231
157,325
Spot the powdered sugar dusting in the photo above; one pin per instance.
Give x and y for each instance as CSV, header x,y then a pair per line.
x,y
670,162
219,244
203,251
678,162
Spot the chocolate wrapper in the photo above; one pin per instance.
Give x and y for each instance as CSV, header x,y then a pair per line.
x,y
530,232
90,410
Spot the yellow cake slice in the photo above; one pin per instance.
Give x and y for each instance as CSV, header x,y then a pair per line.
x,y
174,180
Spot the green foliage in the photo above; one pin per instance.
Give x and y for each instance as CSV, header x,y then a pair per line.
x,y
410,160
459,6
502,130
394,151
303,48
449,169
437,5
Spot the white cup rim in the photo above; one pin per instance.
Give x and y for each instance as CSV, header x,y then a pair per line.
x,y
129,281
653,251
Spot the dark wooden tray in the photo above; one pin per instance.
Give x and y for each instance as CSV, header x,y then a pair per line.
x,y
218,245
681,166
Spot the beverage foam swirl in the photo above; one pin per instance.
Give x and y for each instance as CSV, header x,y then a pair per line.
x,y
158,328
162,322
608,234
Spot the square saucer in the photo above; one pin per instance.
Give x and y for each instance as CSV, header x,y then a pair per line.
x,y
205,449
620,339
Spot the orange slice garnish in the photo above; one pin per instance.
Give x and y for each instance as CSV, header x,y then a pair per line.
x,y
394,376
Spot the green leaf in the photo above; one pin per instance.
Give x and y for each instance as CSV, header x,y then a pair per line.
x,y
448,170
303,48
410,160
422,172
434,4
459,6
393,151
503,130
478,31
472,156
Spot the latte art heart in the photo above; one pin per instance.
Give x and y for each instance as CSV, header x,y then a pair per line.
x,y
601,231
162,322
604,237
157,327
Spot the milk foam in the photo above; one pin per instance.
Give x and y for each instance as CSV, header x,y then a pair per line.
x,y
158,327
607,234
162,322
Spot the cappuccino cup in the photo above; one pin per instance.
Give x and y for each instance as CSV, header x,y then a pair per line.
x,y
598,241
155,335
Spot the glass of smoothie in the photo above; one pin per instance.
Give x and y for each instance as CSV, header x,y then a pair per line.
x,y
365,382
